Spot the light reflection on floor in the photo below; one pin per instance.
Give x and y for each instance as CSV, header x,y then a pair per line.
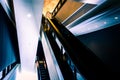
x,y
26,75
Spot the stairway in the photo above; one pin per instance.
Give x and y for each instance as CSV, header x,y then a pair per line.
x,y
43,72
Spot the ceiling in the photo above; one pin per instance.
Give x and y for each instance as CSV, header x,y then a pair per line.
x,y
49,5
67,10
69,7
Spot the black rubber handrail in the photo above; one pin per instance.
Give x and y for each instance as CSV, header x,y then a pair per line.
x,y
64,67
84,59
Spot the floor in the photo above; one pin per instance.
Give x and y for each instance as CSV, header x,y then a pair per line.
x,y
26,75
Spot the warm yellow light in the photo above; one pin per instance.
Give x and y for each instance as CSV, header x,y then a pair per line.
x,y
49,5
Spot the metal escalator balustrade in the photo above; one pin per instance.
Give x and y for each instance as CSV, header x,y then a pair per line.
x,y
65,69
66,66
42,71
84,60
52,64
62,63
42,68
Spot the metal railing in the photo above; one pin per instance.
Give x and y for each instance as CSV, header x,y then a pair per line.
x,y
7,70
58,6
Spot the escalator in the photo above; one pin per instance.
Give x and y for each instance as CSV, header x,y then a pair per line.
x,y
43,72
64,67
84,61
41,64
68,70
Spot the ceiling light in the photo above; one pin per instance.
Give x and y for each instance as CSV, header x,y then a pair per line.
x,y
29,15
115,17
105,22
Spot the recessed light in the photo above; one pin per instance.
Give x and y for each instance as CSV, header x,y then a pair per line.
x,y
29,15
115,17
105,22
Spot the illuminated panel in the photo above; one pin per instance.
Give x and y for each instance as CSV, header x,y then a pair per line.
x,y
91,1
101,21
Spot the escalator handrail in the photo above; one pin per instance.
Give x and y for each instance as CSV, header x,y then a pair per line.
x,y
83,58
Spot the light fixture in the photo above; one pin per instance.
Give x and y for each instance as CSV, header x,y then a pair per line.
x,y
105,22
29,15
115,17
